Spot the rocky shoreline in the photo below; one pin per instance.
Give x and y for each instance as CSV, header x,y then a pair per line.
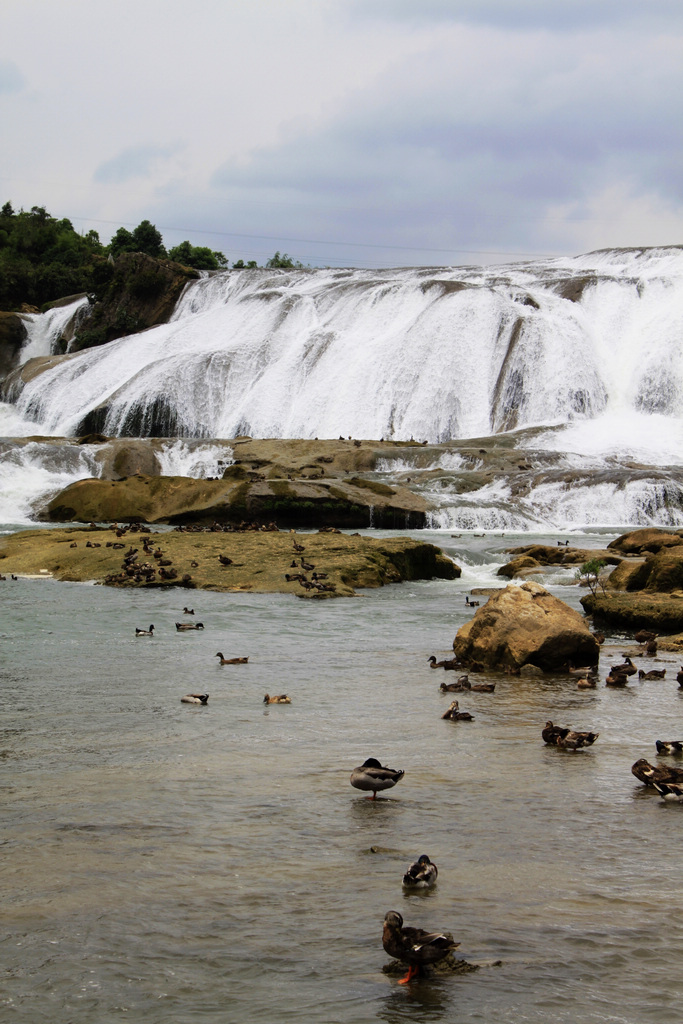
x,y
319,565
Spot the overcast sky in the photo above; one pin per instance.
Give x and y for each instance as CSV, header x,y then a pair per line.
x,y
350,132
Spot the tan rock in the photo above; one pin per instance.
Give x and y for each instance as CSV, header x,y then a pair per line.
x,y
650,539
526,625
517,566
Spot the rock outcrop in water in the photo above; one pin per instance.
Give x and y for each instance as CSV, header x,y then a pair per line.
x,y
258,561
526,626
646,591
141,293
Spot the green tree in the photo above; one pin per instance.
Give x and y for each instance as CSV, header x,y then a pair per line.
x,y
589,573
148,239
283,261
198,256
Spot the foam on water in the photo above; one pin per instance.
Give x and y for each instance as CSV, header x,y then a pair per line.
x,y
200,461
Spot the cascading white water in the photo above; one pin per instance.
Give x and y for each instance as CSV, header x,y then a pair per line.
x,y
436,354
45,330
591,347
29,473
197,460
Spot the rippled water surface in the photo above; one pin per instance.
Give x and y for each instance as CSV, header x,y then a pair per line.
x,y
171,863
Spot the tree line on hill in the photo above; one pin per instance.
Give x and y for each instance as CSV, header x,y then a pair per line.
x,y
43,258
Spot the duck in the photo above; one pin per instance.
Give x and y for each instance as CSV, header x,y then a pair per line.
x,y
281,699
669,746
471,604
654,673
551,733
194,698
421,875
616,679
188,611
371,775
627,668
414,946
458,687
575,740
669,790
649,773
479,687
587,682
679,677
644,636
231,661
144,632
447,663
183,627
585,670
454,715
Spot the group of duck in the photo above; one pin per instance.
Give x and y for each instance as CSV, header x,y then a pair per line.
x,y
316,582
203,698
412,946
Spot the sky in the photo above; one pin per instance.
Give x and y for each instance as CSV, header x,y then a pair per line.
x,y
359,133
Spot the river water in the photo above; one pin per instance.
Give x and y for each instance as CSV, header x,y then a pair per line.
x,y
177,864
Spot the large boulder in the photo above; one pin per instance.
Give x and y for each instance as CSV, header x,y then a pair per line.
x,y
526,626
649,539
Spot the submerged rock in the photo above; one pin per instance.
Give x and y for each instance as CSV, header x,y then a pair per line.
x,y
526,625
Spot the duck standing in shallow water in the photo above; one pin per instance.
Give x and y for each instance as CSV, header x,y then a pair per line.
x,y
414,946
144,632
552,733
372,776
421,875
576,740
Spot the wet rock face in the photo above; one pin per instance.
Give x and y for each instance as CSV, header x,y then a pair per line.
x,y
12,335
141,292
526,625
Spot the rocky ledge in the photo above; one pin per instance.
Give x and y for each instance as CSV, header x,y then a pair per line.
x,y
331,564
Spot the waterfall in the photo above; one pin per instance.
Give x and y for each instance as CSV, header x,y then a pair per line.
x,y
433,354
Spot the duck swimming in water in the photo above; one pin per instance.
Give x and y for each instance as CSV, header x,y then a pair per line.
x,y
183,627
421,875
231,661
281,699
371,775
669,746
414,946
144,632
455,715
194,698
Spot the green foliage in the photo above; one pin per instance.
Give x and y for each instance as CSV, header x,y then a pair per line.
x,y
282,261
146,238
589,573
42,258
241,265
198,256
